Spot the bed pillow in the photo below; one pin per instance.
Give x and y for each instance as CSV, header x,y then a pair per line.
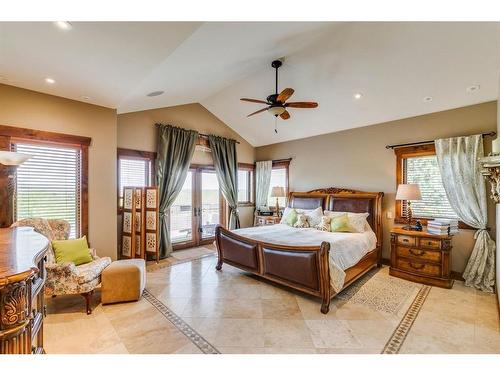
x,y
302,221
340,223
324,225
357,221
289,217
313,216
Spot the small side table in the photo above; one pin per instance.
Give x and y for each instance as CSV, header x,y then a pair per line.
x,y
421,257
261,220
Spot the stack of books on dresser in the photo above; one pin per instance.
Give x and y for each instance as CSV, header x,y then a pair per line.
x,y
442,226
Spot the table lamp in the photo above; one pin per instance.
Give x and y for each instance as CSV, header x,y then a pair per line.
x,y
8,162
278,192
408,193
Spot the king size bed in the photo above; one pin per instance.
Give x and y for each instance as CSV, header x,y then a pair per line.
x,y
314,262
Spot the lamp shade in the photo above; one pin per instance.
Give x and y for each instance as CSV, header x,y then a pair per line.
x,y
408,192
278,191
13,158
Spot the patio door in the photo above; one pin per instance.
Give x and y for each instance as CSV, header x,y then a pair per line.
x,y
197,209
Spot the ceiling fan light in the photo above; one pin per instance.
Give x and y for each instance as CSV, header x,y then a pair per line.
x,y
276,111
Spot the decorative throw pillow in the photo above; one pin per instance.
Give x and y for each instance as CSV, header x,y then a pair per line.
x,y
324,225
74,251
289,216
313,216
357,221
340,223
302,222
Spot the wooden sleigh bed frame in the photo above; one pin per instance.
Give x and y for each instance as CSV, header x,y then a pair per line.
x,y
304,268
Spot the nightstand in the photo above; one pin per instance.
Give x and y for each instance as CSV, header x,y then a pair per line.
x,y
421,257
261,220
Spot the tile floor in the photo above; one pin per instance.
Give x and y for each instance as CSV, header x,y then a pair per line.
x,y
238,313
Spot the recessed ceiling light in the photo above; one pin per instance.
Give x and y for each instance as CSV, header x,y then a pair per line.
x,y
473,88
358,95
64,25
428,99
50,81
155,93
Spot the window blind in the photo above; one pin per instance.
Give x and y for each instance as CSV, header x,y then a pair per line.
x,y
424,171
48,184
278,178
133,172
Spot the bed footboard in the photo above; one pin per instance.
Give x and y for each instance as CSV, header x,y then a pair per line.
x,y
301,268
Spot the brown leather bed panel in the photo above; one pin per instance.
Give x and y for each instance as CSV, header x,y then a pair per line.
x,y
239,252
308,202
299,267
353,205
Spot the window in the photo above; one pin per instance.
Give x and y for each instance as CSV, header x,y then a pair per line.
x,y
48,184
418,165
135,168
245,184
279,177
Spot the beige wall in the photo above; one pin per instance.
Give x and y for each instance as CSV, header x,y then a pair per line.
x,y
34,110
358,159
136,130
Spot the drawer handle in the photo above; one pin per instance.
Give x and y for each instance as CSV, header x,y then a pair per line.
x,y
417,267
417,253
430,243
405,240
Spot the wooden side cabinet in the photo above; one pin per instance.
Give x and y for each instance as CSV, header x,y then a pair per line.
x,y
421,257
22,283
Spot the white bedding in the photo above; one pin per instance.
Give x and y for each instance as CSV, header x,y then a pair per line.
x,y
346,249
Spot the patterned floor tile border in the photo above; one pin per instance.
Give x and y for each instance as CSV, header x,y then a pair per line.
x,y
395,342
181,325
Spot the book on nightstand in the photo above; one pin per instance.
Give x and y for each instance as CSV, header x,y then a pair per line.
x,y
442,226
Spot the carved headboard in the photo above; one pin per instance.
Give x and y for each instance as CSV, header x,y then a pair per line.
x,y
339,199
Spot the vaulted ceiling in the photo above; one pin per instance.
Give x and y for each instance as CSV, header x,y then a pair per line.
x,y
393,65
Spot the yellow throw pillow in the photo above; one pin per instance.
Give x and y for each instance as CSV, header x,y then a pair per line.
x,y
340,224
290,218
74,251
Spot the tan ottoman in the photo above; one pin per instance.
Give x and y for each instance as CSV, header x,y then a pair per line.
x,y
123,280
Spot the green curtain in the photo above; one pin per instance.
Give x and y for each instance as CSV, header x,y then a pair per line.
x,y
226,168
175,150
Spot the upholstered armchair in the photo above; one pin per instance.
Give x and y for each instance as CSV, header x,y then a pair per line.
x,y
66,278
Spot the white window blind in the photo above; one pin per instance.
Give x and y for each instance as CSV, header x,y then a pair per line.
x,y
243,185
48,184
132,172
424,171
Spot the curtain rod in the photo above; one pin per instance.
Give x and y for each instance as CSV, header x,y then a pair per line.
x,y
206,136
492,134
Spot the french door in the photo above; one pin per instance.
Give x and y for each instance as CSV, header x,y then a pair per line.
x,y
197,209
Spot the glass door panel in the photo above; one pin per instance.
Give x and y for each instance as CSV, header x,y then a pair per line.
x,y
209,204
181,213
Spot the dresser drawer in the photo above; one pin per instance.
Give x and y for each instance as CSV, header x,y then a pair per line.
x,y
425,269
406,240
408,252
429,243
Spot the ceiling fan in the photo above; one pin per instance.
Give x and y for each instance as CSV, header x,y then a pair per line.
x,y
276,103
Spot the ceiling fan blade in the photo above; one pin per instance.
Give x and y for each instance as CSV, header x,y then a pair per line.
x,y
285,115
284,95
254,100
301,104
259,111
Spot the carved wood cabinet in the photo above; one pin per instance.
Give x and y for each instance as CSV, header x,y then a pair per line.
x,y
22,280
421,257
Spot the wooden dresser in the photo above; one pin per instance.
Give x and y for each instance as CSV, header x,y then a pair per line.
x,y
22,280
421,257
261,220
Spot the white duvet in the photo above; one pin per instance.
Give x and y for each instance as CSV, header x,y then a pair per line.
x,y
346,249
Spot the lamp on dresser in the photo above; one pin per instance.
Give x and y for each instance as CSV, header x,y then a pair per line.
x,y
9,161
408,193
278,192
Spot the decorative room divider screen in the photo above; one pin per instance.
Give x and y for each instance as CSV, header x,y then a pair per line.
x,y
140,223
